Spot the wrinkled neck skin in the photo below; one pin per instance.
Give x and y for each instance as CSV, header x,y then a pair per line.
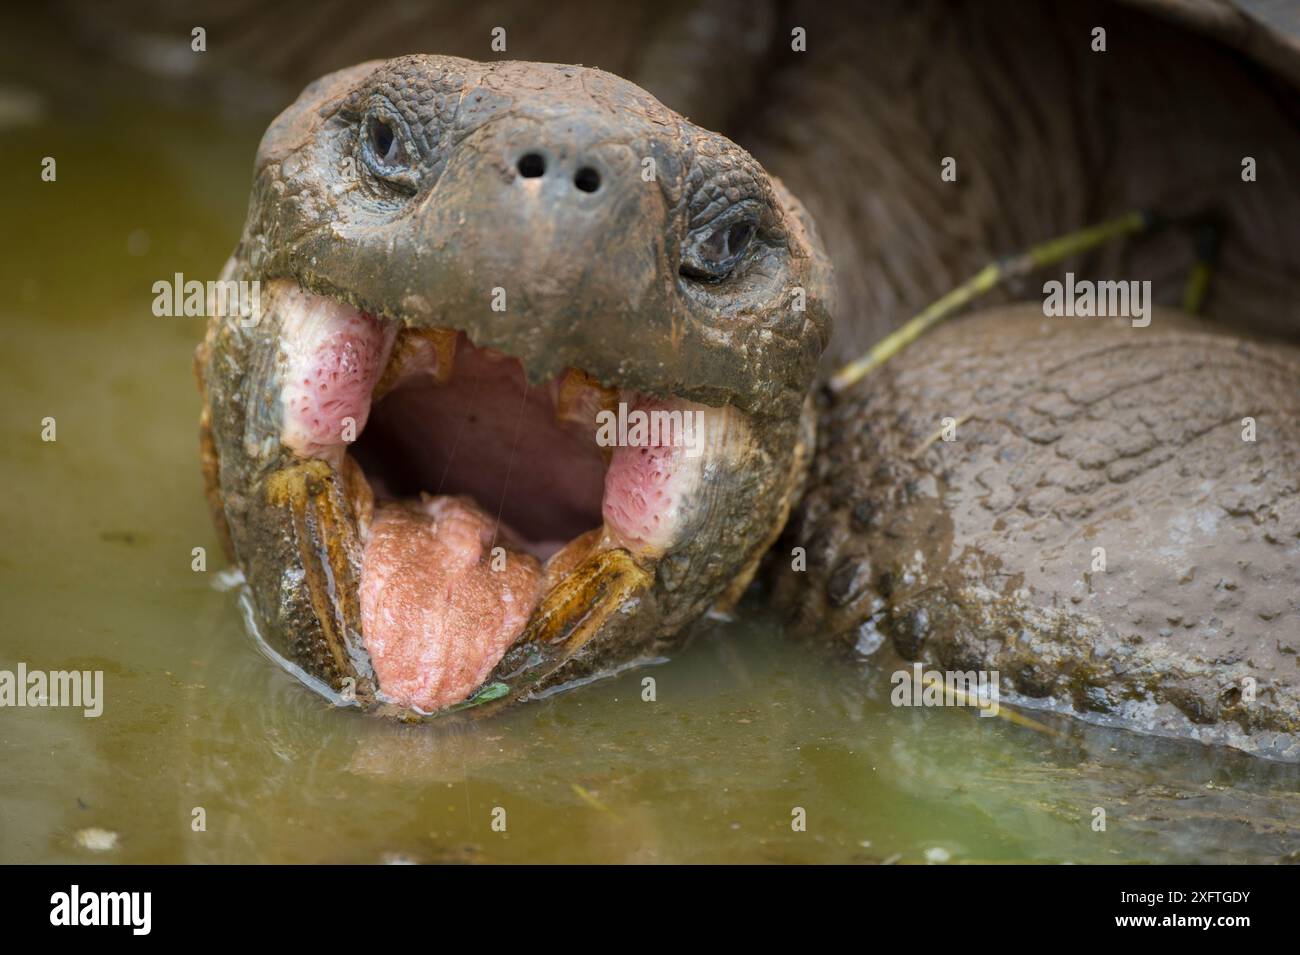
x,y
1048,137
409,450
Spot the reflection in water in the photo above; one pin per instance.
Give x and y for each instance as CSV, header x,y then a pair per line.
x,y
746,727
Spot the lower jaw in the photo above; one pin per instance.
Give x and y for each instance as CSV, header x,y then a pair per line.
x,y
445,595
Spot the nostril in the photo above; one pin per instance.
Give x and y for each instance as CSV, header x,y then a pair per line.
x,y
587,179
531,165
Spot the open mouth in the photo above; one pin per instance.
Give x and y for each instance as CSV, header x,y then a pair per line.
x,y
455,419
493,513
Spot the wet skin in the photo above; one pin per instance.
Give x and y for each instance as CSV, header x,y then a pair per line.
x,y
1098,530
414,521
419,529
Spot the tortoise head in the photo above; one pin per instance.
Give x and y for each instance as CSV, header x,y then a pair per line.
x,y
526,393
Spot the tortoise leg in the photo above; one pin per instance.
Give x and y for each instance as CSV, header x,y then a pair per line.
x,y
1111,517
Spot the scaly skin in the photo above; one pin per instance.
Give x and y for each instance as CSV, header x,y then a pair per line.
x,y
593,281
980,552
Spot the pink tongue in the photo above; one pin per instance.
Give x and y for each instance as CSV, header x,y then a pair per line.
x,y
435,615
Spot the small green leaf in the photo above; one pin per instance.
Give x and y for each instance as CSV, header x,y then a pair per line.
x,y
493,691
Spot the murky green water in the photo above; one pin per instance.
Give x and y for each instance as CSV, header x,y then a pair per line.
x,y
96,533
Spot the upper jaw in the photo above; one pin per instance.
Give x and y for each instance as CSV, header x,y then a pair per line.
x,y
659,341
554,284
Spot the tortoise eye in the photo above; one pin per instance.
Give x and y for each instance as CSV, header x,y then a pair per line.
x,y
383,141
729,242
386,149
713,252
385,145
